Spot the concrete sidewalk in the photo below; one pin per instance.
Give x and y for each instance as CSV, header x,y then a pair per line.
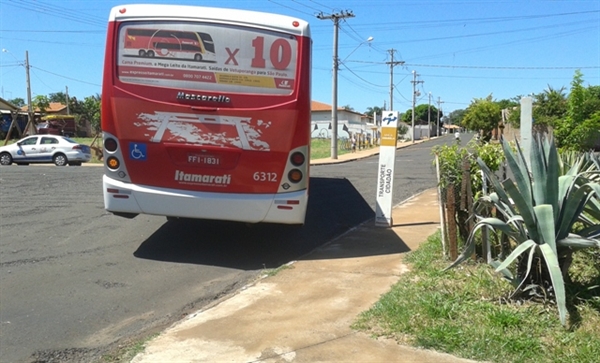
x,y
304,312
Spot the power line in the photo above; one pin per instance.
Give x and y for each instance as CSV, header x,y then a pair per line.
x,y
65,77
289,7
57,11
480,67
499,67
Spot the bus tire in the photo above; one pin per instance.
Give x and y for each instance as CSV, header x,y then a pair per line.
x,y
198,57
150,54
142,53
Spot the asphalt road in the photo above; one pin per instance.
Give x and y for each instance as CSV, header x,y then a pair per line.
x,y
76,281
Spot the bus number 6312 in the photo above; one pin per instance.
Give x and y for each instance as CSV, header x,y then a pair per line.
x,y
262,176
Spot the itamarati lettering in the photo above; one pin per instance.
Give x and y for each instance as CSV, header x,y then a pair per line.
x,y
203,179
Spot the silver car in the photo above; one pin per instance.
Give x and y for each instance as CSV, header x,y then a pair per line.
x,y
59,150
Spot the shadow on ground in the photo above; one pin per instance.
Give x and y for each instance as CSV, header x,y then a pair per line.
x,y
335,207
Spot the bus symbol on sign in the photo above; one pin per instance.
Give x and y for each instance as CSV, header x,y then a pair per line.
x,y
390,119
137,151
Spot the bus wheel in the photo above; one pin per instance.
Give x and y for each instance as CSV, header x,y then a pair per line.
x,y
150,54
142,53
198,57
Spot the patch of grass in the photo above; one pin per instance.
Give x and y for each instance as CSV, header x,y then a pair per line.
x,y
275,271
126,352
321,148
465,312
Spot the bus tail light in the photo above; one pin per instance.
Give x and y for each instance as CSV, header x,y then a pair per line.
x,y
295,176
297,158
110,144
113,163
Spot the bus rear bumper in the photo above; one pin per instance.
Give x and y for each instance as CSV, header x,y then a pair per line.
x,y
126,199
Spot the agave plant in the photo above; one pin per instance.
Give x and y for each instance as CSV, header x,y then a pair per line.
x,y
538,211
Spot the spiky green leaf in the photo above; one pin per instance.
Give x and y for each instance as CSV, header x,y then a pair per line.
x,y
520,172
557,281
539,173
516,253
545,225
524,208
578,242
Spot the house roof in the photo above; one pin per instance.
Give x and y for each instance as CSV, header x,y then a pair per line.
x,y
52,108
320,106
5,105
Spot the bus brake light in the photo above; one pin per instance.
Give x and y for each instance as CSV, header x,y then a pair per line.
x,y
297,158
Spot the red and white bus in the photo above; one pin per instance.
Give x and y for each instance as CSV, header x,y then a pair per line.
x,y
175,44
226,140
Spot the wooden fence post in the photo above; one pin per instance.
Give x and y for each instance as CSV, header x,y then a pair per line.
x,y
451,212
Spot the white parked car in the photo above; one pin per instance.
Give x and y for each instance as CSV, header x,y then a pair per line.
x,y
55,149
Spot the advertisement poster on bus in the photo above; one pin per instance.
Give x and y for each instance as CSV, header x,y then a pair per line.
x,y
207,57
385,171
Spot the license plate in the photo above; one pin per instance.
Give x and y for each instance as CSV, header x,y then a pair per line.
x,y
204,159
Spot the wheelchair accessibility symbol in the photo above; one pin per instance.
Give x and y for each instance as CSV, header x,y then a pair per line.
x,y
137,151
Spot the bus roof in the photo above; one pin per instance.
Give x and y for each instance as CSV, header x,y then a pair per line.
x,y
220,15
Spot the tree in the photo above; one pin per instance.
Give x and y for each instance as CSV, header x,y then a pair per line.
x,y
371,110
19,102
580,128
483,115
90,111
348,108
421,115
455,117
41,103
550,106
59,97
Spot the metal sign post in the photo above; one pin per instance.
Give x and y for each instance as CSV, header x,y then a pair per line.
x,y
385,172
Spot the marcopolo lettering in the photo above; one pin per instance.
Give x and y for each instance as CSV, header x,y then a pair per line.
x,y
199,97
202,179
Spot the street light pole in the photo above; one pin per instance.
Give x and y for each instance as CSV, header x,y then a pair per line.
x,y
414,100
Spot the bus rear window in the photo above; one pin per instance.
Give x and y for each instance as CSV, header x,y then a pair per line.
x,y
207,57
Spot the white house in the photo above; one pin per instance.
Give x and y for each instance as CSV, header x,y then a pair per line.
x,y
349,122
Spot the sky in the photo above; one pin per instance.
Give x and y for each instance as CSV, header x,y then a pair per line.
x,y
448,52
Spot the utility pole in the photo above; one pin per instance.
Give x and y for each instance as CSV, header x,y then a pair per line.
x,y
67,95
392,64
414,100
334,119
429,117
439,102
30,112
